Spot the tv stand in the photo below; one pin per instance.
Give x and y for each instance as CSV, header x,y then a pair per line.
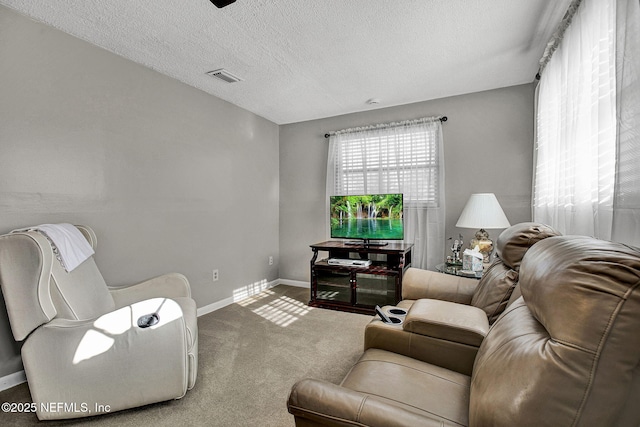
x,y
358,288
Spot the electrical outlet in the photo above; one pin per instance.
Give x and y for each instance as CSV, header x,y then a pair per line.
x,y
215,275
270,260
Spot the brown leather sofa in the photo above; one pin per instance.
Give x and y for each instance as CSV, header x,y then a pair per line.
x,y
448,316
564,353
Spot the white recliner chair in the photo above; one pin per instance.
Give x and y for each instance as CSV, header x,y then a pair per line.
x,y
89,348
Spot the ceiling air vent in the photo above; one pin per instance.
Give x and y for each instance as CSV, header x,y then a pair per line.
x,y
223,74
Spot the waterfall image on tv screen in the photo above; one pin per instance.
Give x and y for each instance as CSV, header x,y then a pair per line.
x,y
372,216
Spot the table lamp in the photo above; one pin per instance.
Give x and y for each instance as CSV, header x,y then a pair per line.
x,y
483,211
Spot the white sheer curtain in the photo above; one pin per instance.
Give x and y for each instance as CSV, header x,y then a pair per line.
x,y
586,172
406,158
626,207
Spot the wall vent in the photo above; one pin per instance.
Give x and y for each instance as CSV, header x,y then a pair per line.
x,y
223,74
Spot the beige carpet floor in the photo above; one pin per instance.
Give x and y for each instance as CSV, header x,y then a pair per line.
x,y
250,354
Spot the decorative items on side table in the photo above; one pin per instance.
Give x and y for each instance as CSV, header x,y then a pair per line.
x,y
456,247
457,270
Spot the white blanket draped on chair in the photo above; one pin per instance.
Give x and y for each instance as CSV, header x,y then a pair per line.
x,y
68,243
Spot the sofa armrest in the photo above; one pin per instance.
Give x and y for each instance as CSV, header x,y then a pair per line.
x,y
448,321
171,285
108,362
321,403
419,284
438,332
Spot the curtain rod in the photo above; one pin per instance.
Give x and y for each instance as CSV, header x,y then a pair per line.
x,y
386,125
557,36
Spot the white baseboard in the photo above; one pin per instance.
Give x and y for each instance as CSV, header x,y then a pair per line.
x,y
12,380
248,291
297,283
214,306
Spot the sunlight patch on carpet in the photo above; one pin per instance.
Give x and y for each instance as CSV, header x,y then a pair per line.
x,y
246,295
283,311
247,301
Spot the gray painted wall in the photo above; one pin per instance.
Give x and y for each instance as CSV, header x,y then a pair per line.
x,y
488,142
169,177
173,179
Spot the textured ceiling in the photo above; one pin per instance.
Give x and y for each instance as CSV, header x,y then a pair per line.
x,y
309,59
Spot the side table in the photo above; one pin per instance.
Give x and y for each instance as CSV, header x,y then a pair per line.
x,y
457,270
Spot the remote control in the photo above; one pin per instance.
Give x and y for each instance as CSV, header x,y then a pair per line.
x,y
383,316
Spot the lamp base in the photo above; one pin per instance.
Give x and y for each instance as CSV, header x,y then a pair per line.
x,y
484,244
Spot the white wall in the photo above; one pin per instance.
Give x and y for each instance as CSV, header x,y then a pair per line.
x,y
169,177
488,144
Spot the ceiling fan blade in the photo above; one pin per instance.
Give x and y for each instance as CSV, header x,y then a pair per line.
x,y
222,3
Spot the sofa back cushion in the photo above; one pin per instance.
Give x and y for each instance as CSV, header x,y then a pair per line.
x,y
80,294
494,290
567,352
516,240
497,283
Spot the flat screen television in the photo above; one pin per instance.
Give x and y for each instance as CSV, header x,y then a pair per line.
x,y
367,217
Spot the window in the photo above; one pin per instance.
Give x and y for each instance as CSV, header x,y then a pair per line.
x,y
586,171
402,158
395,159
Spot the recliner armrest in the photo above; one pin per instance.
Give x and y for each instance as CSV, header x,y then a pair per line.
x,y
438,332
171,285
420,284
446,320
321,403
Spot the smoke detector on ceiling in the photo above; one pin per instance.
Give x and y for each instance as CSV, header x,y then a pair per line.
x,y
223,74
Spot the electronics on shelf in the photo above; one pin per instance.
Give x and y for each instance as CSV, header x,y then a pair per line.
x,y
349,262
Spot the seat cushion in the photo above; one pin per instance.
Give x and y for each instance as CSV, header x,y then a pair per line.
x,y
416,386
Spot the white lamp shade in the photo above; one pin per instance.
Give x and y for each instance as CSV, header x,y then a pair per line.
x,y
483,211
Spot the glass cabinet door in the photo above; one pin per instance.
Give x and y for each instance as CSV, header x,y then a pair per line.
x,y
375,289
333,285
